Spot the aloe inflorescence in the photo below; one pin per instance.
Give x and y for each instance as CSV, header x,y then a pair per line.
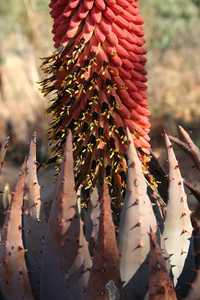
x,y
97,82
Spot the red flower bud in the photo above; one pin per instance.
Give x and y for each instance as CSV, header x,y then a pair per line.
x,y
98,80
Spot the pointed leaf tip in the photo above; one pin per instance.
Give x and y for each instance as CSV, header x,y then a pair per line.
x,y
34,222
178,227
106,257
13,271
136,218
33,203
63,232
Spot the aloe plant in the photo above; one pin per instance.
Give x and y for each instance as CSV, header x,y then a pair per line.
x,y
108,230
46,255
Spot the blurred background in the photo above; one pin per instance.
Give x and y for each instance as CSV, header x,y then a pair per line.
x,y
172,33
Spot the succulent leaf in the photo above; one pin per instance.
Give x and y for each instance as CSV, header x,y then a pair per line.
x,y
35,226
105,269
160,284
136,220
13,271
77,277
34,202
62,246
48,188
178,228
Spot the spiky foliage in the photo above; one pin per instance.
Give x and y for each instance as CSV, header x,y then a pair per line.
x,y
178,227
160,285
97,81
136,218
73,253
13,269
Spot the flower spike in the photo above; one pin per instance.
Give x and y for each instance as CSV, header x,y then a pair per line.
x,y
97,80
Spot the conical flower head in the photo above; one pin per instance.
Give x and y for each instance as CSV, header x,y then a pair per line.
x,y
97,79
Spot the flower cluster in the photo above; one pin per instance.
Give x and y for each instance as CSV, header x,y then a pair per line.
x,y
97,80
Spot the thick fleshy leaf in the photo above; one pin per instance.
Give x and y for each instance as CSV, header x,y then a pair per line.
x,y
78,276
34,224
178,228
34,202
13,272
63,240
136,220
160,284
105,270
48,187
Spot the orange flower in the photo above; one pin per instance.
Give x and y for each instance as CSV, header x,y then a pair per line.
x,y
98,80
